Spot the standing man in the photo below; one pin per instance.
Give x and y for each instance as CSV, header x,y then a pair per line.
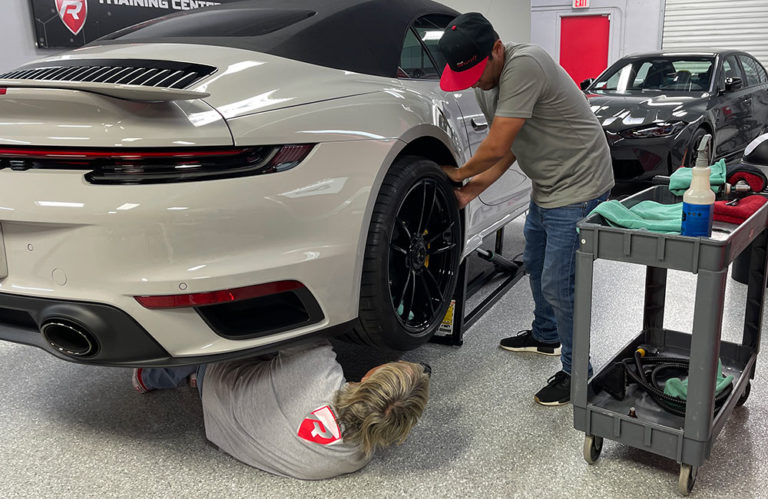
x,y
541,119
295,415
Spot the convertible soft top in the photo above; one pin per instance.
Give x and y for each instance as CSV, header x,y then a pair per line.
x,y
364,36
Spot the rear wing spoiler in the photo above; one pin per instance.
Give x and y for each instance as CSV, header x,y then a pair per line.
x,y
127,92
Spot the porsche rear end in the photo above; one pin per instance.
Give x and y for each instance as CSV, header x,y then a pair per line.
x,y
136,230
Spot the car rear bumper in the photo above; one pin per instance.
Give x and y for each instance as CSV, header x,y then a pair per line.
x,y
94,333
72,242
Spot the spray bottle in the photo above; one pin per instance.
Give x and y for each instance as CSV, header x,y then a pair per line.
x,y
699,200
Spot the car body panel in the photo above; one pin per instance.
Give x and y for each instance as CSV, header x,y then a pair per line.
x,y
53,117
77,241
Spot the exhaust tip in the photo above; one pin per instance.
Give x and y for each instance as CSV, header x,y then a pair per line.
x,y
68,338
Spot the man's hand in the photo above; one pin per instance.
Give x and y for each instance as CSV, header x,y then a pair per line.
x,y
453,173
464,196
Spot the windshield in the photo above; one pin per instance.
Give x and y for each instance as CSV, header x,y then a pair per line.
x,y
654,74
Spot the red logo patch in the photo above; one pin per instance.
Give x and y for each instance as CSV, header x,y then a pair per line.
x,y
72,14
320,427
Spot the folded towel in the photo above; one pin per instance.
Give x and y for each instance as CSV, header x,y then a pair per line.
x,y
675,387
680,181
750,174
648,215
738,212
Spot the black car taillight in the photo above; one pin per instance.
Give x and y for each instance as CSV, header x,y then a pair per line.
x,y
161,165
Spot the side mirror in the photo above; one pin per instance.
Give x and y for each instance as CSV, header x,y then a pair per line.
x,y
586,83
732,83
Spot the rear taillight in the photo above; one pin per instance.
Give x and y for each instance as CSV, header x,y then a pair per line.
x,y
159,166
217,297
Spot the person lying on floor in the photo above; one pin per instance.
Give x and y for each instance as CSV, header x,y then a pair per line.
x,y
295,415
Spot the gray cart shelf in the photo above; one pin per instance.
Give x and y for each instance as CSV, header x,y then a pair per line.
x,y
688,440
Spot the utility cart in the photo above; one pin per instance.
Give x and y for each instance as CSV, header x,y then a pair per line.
x,y
637,420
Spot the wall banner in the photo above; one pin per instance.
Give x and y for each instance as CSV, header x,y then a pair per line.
x,y
73,23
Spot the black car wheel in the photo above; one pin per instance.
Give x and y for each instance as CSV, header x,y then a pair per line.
x,y
411,257
693,147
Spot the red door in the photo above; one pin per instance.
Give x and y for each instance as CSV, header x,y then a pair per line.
x,y
584,45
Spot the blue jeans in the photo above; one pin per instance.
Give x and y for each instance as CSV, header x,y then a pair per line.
x,y
161,378
551,241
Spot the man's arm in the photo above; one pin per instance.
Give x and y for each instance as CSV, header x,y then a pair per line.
x,y
492,150
482,181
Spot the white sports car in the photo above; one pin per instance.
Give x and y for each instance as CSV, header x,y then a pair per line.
x,y
221,182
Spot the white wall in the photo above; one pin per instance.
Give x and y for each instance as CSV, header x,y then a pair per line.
x,y
510,18
636,25
17,37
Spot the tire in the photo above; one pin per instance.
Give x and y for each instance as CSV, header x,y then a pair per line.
x,y
687,479
690,160
744,396
592,447
411,257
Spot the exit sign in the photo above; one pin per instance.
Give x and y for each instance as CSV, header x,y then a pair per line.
x,y
580,4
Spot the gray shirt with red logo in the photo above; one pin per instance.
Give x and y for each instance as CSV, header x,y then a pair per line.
x,y
275,414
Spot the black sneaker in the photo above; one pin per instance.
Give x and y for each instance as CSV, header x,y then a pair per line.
x,y
525,342
557,391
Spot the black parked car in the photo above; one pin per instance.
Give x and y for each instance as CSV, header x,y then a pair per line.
x,y
655,108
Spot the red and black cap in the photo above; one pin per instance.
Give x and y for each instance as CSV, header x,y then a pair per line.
x,y
466,44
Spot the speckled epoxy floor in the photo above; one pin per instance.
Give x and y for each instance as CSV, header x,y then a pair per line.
x,y
68,430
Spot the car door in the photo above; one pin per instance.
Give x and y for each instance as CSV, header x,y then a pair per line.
x,y
732,111
508,196
757,97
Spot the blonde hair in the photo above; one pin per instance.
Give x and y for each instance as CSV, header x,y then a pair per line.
x,y
381,410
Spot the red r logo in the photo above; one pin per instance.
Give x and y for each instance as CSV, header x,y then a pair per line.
x,y
320,427
72,13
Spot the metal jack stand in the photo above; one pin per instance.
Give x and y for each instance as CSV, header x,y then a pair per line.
x,y
458,318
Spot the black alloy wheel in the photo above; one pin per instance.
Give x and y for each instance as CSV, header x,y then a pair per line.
x,y
412,257
420,256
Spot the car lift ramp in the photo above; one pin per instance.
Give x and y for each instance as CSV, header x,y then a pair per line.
x,y
498,276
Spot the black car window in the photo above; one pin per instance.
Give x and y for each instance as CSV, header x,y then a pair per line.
x,y
731,69
751,70
658,74
762,74
421,57
414,60
430,30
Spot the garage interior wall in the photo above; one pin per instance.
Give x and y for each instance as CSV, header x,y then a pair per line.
x,y
17,36
726,24
635,25
511,18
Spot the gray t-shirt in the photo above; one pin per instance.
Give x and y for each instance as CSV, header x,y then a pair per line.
x,y
257,411
561,147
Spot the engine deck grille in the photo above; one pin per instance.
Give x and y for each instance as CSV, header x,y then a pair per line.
x,y
161,74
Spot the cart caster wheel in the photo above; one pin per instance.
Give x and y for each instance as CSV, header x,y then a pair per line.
x,y
744,396
592,447
687,478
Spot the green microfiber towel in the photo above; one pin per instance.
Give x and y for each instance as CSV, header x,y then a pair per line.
x,y
674,387
648,215
680,181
